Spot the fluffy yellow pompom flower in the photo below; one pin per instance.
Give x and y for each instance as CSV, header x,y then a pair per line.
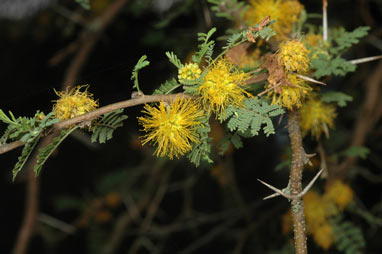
x,y
314,210
74,103
323,236
172,127
221,87
285,12
313,40
339,193
316,117
289,96
190,71
293,55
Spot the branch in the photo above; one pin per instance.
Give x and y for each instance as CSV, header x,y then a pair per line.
x,y
98,112
298,161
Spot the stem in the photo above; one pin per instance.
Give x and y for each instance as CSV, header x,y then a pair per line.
x,y
295,178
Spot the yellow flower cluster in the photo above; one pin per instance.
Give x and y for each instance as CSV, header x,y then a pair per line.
x,y
316,117
190,71
319,209
340,194
171,127
291,96
285,12
74,103
293,55
292,59
313,40
221,87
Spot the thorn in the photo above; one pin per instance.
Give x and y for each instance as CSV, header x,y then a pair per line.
x,y
286,195
310,79
365,59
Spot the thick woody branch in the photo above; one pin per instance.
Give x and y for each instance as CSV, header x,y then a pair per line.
x,y
298,161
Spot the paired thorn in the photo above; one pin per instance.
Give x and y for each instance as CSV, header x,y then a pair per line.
x,y
285,192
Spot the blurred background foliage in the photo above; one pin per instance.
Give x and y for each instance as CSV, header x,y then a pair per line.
x,y
117,197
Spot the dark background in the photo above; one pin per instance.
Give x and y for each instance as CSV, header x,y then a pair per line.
x,y
28,78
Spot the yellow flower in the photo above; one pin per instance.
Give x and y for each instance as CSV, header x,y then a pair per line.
x,y
290,96
173,127
314,211
323,236
316,117
190,71
221,87
284,12
293,55
339,193
74,103
313,40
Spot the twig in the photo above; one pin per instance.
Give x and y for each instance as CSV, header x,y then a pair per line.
x,y
152,209
98,112
31,203
366,120
56,223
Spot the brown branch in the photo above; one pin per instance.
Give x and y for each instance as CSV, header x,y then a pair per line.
x,y
72,72
298,161
98,112
31,203
88,39
366,120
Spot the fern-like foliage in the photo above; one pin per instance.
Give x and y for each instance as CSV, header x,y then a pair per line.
x,y
174,59
201,151
344,40
45,152
340,98
249,120
348,237
103,129
356,151
227,140
23,158
234,39
324,65
206,48
26,129
140,64
167,87
228,9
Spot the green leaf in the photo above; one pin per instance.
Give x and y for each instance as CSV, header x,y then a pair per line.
x,y
140,64
201,151
23,158
167,87
340,98
103,129
67,203
4,118
349,238
325,66
174,59
45,152
84,4
206,48
356,151
250,118
345,40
